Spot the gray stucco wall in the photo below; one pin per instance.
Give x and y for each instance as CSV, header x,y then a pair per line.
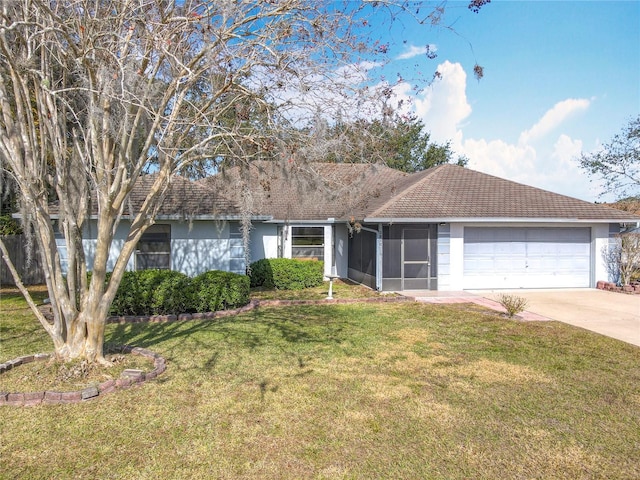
x,y
444,257
196,247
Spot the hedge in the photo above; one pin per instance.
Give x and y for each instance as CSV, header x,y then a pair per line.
x,y
162,292
286,273
217,290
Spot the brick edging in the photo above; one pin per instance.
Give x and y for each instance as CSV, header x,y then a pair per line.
x,y
253,304
127,379
612,287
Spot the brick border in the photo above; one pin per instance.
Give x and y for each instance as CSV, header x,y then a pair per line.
x,y
127,379
253,304
634,288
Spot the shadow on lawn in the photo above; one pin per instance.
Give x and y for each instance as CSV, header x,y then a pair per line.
x,y
279,327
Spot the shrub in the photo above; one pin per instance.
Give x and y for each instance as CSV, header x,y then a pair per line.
x,y
153,292
164,292
9,226
127,300
286,273
174,293
261,273
216,290
513,304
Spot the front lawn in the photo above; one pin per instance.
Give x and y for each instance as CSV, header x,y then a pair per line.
x,y
360,391
341,289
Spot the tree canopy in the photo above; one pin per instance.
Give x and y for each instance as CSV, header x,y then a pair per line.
x,y
403,144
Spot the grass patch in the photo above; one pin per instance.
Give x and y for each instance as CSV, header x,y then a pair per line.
x,y
60,376
341,289
343,391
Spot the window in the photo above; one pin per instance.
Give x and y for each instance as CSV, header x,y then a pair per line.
x,y
307,242
236,249
154,248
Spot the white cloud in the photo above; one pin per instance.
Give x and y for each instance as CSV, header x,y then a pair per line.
x,y
443,105
565,151
415,51
553,118
499,158
355,73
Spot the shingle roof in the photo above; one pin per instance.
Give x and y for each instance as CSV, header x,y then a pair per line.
x,y
450,191
184,198
314,191
318,191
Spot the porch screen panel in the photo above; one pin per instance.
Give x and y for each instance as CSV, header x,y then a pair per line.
x,y
362,258
392,256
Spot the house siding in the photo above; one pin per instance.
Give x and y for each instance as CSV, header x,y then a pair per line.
x,y
196,247
204,246
341,249
264,241
444,257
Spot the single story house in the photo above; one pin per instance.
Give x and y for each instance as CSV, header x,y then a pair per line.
x,y
446,228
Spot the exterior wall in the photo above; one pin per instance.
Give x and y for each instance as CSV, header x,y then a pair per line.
x,y
600,234
204,246
286,241
444,257
328,250
456,258
604,238
196,247
341,250
264,241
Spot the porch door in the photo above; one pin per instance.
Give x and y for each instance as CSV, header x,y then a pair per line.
x,y
416,259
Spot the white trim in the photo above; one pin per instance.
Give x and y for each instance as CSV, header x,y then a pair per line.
x,y
498,220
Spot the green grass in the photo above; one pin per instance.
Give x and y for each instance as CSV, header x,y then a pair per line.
x,y
341,289
362,391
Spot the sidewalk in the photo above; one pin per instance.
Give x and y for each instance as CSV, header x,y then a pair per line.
x,y
430,296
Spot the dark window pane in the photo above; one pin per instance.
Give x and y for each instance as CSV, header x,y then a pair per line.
x,y
307,242
154,248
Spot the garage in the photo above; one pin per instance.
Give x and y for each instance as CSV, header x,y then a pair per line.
x,y
526,257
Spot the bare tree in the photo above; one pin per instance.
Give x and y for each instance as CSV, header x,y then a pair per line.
x,y
96,93
622,257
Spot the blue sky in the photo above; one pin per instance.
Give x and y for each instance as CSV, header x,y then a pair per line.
x,y
559,78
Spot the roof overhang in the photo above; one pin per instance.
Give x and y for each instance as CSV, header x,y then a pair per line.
x,y
296,221
633,221
257,218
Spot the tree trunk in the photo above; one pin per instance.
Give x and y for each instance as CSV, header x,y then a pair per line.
x,y
85,339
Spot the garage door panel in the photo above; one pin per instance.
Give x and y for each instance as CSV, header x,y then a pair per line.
x,y
526,257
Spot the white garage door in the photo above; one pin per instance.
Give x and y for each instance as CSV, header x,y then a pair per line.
x,y
526,257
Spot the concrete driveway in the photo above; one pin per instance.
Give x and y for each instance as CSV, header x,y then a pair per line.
x,y
615,315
